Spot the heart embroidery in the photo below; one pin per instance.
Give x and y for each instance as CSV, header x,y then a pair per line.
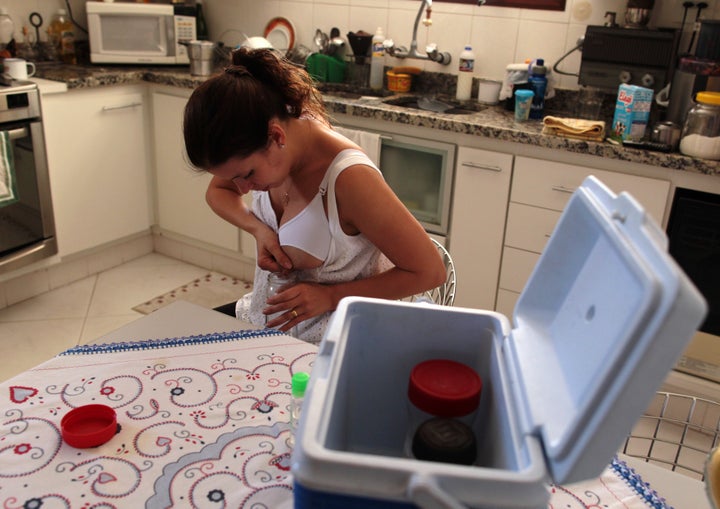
x,y
105,478
163,441
20,394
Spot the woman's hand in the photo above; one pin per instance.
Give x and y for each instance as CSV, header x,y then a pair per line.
x,y
270,255
298,303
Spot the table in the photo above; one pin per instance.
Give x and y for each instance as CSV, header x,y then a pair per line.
x,y
202,402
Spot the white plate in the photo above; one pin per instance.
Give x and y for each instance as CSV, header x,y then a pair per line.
x,y
281,33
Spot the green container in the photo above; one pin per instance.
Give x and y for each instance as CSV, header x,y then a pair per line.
x,y
325,68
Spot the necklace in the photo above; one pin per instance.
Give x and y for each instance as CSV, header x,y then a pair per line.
x,y
286,199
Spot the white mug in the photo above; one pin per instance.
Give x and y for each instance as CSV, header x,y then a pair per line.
x,y
18,68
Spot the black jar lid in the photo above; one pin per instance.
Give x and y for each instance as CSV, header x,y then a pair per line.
x,y
445,440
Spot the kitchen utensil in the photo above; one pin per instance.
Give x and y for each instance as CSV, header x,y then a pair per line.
x,y
666,132
36,20
18,69
321,41
281,34
256,43
336,44
201,57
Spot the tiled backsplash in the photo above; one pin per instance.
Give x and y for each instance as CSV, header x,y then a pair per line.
x,y
499,36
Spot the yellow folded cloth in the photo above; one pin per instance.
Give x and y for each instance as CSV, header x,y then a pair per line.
x,y
591,130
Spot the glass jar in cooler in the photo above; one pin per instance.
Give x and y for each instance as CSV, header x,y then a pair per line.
x,y
443,399
701,132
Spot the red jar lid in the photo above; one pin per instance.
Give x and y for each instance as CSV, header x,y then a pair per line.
x,y
444,388
88,426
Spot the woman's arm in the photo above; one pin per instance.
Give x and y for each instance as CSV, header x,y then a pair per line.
x,y
225,200
367,205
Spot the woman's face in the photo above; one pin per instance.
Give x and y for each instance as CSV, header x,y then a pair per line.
x,y
260,171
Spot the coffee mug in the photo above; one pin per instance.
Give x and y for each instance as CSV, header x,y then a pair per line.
x,y
18,68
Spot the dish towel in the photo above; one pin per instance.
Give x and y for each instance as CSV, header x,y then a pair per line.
x,y
577,128
8,190
368,142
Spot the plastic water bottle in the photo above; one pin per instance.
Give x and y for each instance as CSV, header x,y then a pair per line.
x,y
298,386
7,27
538,84
377,63
465,74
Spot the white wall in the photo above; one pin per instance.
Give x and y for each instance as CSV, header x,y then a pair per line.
x,y
499,36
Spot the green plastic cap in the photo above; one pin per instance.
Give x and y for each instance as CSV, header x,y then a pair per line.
x,y
299,383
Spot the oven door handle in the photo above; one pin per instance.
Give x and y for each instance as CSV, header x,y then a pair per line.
x,y
16,134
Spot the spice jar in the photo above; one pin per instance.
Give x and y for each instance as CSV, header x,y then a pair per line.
x,y
701,132
444,397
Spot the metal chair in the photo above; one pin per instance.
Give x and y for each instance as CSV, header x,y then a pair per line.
x,y
445,293
676,432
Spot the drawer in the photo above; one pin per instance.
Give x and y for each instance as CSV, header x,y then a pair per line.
x,y
517,265
529,228
549,185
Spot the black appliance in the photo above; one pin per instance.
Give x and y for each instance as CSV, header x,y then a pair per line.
x,y
613,55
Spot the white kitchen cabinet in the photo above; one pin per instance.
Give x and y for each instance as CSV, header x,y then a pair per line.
x,y
540,191
482,185
181,205
98,155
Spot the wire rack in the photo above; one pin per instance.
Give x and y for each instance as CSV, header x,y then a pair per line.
x,y
676,432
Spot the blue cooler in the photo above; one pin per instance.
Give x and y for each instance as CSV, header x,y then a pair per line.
x,y
602,320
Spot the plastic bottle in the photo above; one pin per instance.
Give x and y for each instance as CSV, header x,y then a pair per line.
x,y
298,386
465,74
538,84
200,23
7,27
377,62
62,36
276,283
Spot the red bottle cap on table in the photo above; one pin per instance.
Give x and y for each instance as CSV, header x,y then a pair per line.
x,y
444,388
88,426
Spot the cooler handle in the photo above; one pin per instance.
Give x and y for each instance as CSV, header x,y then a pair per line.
x,y
426,494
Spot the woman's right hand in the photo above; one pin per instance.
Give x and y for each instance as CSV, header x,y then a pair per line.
x,y
270,255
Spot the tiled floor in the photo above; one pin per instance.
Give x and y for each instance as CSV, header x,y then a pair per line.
x,y
36,329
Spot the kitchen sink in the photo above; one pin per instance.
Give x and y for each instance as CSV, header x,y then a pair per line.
x,y
437,104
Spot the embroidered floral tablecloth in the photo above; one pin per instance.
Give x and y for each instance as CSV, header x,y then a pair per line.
x,y
203,422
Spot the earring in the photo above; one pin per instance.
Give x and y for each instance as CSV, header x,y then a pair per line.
x,y
281,145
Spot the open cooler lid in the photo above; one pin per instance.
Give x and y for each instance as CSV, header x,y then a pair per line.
x,y
604,317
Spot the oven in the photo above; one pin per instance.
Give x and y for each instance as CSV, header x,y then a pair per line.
x,y
27,229
420,172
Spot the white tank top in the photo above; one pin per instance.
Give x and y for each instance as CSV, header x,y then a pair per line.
x,y
349,257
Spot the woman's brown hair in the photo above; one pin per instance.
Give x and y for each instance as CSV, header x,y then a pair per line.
x,y
228,115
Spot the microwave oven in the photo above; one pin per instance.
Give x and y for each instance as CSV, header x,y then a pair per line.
x,y
139,33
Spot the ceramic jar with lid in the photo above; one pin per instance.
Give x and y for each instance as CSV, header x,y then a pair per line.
x,y
444,396
701,132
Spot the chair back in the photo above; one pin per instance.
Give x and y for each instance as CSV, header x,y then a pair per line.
x,y
445,293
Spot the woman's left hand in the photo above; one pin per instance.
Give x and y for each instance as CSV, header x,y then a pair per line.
x,y
298,303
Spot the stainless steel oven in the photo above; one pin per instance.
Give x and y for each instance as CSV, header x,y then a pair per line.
x,y
27,228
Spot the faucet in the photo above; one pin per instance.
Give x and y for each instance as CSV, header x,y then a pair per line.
x,y
431,50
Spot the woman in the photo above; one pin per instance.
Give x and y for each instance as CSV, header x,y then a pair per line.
x,y
321,208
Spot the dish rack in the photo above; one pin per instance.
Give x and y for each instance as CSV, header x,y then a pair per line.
x,y
676,432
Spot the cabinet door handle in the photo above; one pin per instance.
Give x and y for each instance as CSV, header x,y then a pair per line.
x,y
121,107
563,189
480,166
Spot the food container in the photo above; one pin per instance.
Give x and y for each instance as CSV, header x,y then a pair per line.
x,y
632,112
701,132
398,82
603,318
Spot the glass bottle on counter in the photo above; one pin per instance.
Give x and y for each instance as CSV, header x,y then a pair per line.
x,y
202,29
701,132
62,36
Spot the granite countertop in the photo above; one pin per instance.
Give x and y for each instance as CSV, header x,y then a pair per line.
x,y
492,122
